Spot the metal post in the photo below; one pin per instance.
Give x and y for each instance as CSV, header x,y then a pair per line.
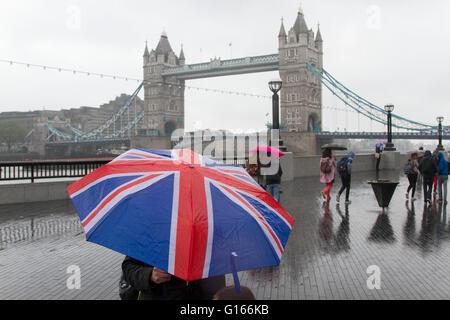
x,y
275,86
275,111
440,147
389,145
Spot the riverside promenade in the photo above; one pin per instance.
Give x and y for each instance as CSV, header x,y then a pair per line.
x,y
331,254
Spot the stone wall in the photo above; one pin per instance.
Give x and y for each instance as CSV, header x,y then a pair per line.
x,y
150,142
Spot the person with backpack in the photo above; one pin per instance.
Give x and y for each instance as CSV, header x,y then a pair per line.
x,y
412,171
327,165
344,168
442,174
428,169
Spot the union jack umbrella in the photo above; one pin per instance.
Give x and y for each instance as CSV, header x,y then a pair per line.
x,y
181,212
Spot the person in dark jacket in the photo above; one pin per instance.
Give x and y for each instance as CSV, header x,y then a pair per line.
x,y
156,284
428,169
412,175
273,181
346,176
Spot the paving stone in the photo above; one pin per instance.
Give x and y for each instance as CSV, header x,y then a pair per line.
x,y
326,257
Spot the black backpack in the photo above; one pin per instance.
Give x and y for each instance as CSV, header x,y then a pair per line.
x,y
408,168
342,164
428,166
126,290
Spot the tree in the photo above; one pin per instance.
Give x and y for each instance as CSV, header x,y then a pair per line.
x,y
11,132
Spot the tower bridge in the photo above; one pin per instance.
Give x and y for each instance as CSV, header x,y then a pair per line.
x,y
299,61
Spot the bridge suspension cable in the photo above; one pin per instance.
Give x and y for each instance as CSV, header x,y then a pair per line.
x,y
363,106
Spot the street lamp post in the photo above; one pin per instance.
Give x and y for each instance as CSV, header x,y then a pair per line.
x,y
440,147
389,145
275,86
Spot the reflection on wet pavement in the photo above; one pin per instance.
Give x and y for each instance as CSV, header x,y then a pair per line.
x,y
327,255
31,225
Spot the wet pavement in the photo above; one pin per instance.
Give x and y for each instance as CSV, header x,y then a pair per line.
x,y
331,254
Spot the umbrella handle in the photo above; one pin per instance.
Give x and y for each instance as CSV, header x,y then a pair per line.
x,y
234,271
164,291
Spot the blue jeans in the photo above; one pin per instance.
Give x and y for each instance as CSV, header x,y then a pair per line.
x,y
274,190
442,183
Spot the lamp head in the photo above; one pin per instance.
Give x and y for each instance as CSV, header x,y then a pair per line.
x,y
389,107
275,85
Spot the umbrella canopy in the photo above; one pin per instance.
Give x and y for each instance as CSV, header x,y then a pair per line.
x,y
181,212
274,151
380,143
333,146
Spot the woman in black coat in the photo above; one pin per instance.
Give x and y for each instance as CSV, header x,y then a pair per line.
x,y
156,284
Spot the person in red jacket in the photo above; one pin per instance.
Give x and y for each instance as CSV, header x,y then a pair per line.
x,y
327,165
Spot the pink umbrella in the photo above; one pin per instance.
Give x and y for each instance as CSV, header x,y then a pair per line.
x,y
274,151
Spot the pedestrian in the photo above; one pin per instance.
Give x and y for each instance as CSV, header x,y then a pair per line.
x,y
442,174
327,165
378,152
273,181
230,293
435,178
252,169
419,161
156,284
344,168
428,169
412,171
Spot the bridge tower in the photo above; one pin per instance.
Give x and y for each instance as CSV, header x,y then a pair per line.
x,y
301,94
163,96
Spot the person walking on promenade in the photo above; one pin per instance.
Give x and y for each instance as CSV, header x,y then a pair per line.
x,y
435,178
344,167
378,152
327,165
420,155
428,169
273,181
252,170
156,284
412,172
442,174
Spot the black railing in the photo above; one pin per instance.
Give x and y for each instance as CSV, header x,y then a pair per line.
x,y
31,170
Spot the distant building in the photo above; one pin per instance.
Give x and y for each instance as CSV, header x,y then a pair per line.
x,y
164,96
301,94
83,119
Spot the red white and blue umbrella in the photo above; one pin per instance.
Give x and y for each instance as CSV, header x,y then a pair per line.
x,y
380,143
181,212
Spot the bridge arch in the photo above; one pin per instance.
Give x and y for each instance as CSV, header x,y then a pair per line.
x,y
313,122
169,127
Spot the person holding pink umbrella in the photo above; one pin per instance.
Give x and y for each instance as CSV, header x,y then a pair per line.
x,y
327,165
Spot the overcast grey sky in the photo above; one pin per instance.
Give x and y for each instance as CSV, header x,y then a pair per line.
x,y
387,51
